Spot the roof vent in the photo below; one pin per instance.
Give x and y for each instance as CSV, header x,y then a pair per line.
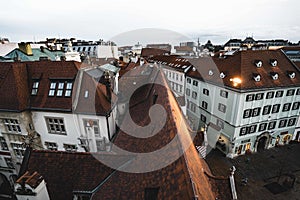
x,y
291,74
274,75
273,62
256,77
210,72
258,63
222,75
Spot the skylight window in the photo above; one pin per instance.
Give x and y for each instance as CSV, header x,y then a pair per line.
x,y
86,94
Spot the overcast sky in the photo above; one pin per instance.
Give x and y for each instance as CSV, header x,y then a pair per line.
x,y
217,20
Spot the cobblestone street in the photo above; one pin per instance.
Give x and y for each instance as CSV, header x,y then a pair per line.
x,y
277,169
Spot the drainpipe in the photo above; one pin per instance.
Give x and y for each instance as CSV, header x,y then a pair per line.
x,y
107,125
232,183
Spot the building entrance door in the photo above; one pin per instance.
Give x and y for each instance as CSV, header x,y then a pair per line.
x,y
262,143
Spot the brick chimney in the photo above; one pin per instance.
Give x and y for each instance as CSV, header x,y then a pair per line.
x,y
31,186
107,84
25,48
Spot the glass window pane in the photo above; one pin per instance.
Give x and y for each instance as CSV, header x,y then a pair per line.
x,y
60,85
59,93
69,86
52,86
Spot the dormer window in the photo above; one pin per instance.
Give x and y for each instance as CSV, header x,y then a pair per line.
x,y
274,75
291,74
256,77
52,88
210,72
68,91
273,62
258,63
35,87
222,75
60,88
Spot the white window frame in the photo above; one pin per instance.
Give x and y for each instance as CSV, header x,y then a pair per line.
x,y
58,125
12,125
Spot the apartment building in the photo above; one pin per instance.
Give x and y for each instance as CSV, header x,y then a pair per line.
x,y
96,49
58,105
249,101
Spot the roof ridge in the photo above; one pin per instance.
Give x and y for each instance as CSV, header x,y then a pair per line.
x,y
185,141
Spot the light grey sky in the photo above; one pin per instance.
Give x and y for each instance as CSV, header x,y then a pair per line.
x,y
217,20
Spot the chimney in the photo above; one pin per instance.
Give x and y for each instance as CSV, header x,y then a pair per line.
x,y
142,61
107,84
31,186
25,48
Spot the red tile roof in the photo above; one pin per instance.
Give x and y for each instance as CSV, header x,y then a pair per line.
x,y
291,48
182,179
45,72
16,81
242,65
184,49
97,101
174,62
67,172
150,52
13,87
175,180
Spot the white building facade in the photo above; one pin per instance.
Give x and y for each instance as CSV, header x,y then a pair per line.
x,y
248,119
97,49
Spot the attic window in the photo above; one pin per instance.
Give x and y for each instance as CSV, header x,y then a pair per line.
x,y
273,62
210,72
52,88
274,75
60,89
68,91
35,87
258,63
291,74
256,77
222,75
194,69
